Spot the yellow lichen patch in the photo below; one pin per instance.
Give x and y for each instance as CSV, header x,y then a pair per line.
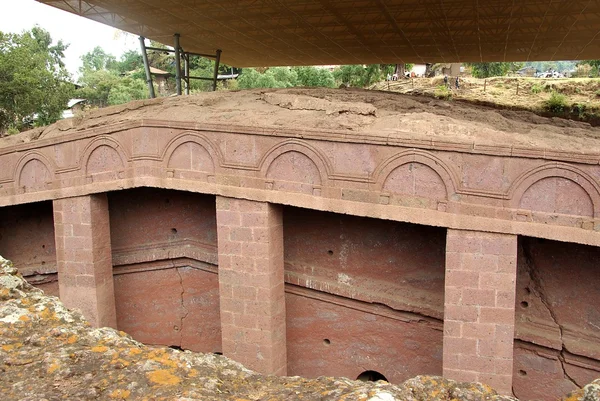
x,y
72,339
9,347
24,318
574,396
120,394
193,373
52,368
134,351
163,377
99,348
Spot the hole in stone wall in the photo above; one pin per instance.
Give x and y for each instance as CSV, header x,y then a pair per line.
x,y
525,304
522,373
174,230
43,263
326,341
371,376
330,252
177,347
527,290
43,246
218,353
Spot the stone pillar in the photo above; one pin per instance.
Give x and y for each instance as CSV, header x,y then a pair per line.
x,y
479,308
251,284
83,253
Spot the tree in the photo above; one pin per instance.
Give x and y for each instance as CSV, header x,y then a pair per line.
x,y
486,70
98,60
359,75
315,77
105,81
33,79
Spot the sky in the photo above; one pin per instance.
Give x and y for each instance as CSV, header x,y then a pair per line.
x,y
80,33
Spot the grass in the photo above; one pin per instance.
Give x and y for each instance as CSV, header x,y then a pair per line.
x,y
442,92
536,88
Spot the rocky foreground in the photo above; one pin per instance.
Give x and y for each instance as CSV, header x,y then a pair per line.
x,y
50,353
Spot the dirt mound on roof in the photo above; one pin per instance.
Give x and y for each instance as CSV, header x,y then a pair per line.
x,y
351,111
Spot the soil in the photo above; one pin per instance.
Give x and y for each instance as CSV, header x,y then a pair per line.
x,y
351,111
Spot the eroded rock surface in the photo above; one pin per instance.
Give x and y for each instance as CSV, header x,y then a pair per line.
x,y
50,353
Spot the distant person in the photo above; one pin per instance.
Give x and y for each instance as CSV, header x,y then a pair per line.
x,y
446,81
457,83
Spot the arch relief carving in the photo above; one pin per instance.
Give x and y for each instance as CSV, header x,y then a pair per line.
x,y
418,176
103,159
556,188
191,153
34,175
294,166
416,180
34,171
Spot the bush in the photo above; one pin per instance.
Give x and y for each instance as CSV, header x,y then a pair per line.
x,y
557,103
442,92
536,88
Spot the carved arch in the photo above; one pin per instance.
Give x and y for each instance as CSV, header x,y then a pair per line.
x,y
192,138
48,166
555,170
445,173
313,154
96,144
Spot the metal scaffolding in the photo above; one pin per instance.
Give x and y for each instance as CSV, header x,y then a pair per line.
x,y
180,76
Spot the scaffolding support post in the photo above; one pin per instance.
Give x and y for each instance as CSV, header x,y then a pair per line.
x,y
186,72
177,64
147,67
216,74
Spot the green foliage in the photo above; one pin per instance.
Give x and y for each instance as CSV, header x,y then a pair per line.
x,y
486,70
126,90
98,60
131,60
581,110
442,92
96,86
312,76
360,76
105,81
33,79
536,88
557,103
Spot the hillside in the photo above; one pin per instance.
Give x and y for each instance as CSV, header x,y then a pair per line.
x,y
580,96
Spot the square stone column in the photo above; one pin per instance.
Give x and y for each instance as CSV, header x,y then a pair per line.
x,y
83,253
251,284
479,308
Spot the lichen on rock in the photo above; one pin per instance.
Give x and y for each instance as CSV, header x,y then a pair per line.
x,y
48,352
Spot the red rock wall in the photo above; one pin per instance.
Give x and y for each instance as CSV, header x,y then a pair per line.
x,y
329,339
557,318
27,239
176,306
375,293
164,256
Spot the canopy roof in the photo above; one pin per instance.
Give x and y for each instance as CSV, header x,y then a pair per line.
x,y
312,32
